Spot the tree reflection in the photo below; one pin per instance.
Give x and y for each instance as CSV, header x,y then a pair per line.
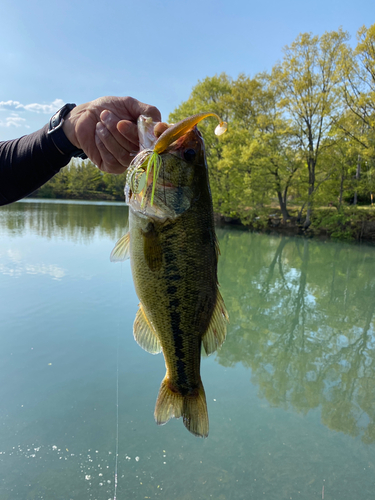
x,y
302,318
301,311
75,221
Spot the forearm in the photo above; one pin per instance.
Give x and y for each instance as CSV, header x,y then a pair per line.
x,y
28,163
104,129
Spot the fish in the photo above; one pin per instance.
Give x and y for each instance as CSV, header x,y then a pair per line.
x,y
173,251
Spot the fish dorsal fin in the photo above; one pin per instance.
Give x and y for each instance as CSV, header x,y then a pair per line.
x,y
121,250
144,333
217,328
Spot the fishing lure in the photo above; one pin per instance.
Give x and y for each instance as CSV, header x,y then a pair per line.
x,y
149,160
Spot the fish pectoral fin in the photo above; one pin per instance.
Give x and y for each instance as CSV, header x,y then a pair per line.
x,y
191,407
144,333
121,250
217,329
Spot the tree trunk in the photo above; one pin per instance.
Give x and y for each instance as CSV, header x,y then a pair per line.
x,y
341,189
311,166
308,215
284,210
357,177
285,197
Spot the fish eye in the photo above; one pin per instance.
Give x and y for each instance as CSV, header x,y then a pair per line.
x,y
189,155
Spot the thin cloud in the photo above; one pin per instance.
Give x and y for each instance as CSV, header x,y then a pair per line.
x,y
33,107
14,120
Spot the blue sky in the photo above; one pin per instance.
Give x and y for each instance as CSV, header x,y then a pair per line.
x,y
154,50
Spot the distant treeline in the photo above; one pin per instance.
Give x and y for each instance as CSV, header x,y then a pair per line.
x,y
300,137
82,180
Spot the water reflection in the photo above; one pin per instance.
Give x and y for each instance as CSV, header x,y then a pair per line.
x,y
302,318
301,311
78,222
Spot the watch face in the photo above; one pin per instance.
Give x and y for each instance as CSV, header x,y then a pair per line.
x,y
58,118
58,136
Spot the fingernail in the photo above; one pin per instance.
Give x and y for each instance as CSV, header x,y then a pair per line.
x,y
100,128
106,116
97,140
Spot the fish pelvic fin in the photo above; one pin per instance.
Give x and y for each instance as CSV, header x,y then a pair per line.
x,y
191,407
121,250
144,332
217,329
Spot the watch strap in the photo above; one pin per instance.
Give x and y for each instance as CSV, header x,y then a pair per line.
x,y
58,136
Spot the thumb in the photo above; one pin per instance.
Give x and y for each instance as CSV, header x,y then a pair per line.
x,y
138,108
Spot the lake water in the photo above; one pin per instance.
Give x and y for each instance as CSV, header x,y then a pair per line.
x,y
291,394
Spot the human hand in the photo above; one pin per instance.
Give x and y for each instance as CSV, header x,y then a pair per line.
x,y
106,130
160,128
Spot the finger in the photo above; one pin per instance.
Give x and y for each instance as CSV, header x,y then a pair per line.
x,y
137,108
121,152
130,131
111,120
160,128
108,162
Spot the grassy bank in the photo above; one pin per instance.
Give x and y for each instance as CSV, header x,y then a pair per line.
x,y
350,223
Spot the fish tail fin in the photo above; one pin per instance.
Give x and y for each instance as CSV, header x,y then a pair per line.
x,y
192,408
195,413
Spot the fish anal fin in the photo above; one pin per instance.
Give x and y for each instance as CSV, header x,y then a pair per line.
x,y
217,329
191,407
121,249
144,333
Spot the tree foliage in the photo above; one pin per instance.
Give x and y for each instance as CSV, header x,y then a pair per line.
x,y
299,137
82,180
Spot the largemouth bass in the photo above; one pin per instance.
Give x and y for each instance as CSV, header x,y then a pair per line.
x,y
174,252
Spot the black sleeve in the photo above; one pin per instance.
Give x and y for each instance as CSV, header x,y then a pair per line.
x,y
28,163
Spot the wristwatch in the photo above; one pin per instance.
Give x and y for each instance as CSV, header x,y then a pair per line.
x,y
58,136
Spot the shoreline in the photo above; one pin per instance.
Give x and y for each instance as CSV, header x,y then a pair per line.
x,y
347,228
358,233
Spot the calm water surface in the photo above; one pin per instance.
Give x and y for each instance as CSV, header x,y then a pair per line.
x,y
291,395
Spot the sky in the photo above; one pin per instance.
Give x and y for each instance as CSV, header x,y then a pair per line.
x,y
153,50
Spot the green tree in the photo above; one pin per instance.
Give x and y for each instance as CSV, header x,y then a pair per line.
x,y
212,94
256,158
358,72
307,81
83,180
271,148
